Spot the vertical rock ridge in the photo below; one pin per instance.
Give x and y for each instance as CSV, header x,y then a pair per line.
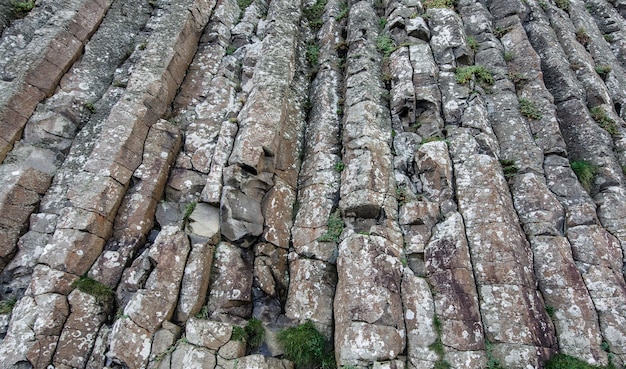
x,y
369,325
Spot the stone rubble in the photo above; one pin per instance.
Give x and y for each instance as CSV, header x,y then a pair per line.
x,y
182,177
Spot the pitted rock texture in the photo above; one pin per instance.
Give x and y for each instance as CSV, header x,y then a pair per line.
x,y
430,183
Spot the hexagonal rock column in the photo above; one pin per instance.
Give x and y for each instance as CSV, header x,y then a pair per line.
x,y
369,323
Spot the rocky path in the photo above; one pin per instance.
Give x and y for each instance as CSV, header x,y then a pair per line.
x,y
432,184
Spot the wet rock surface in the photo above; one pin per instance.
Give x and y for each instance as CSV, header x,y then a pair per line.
x,y
429,185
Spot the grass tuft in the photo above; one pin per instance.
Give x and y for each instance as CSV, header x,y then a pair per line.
x,y
585,171
472,43
312,54
314,14
601,117
492,362
344,9
90,286
431,4
581,36
508,168
465,74
239,334
603,70
528,109
563,4
6,306
562,361
306,347
21,8
335,227
243,4
385,45
255,333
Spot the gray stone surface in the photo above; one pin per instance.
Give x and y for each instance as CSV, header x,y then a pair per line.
x,y
342,172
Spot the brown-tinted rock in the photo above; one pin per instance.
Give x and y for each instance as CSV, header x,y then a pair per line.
x,y
130,344
448,268
231,288
72,251
80,330
150,306
278,214
195,282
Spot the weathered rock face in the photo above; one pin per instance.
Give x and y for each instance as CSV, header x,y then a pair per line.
x,y
430,185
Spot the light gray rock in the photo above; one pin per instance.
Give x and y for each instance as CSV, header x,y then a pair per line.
x,y
211,335
186,356
311,292
368,310
204,221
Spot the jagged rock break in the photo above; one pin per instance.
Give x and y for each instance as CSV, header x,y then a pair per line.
x,y
431,184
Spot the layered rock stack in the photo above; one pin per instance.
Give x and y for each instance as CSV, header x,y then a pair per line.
x,y
431,184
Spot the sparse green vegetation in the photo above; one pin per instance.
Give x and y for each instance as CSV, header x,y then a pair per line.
x,y
203,313
339,167
402,194
306,347
585,171
170,349
255,333
563,4
90,286
492,362
243,4
465,74
21,8
562,361
472,43
528,109
437,346
344,9
550,311
239,334
518,79
430,4
189,208
601,117
382,22
508,168
230,50
119,84
430,139
603,70
609,38
314,14
119,314
543,4
508,56
385,45
91,108
501,31
312,54
581,36
335,227
6,306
